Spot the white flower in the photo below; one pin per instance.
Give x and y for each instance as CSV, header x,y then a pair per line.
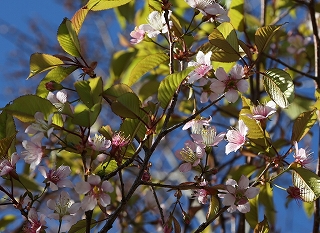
x,y
156,24
208,137
236,196
302,157
99,143
202,64
236,137
9,167
57,178
40,125
261,112
190,154
197,125
59,99
35,224
34,151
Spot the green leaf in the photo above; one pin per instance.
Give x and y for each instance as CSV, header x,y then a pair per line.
x,y
262,227
236,14
79,17
218,54
252,215
90,91
98,5
57,74
307,181
80,226
133,128
154,5
116,91
169,85
68,38
213,207
303,124
24,108
225,38
85,116
266,199
6,220
245,169
279,86
40,62
264,35
146,64
5,144
308,208
7,129
127,105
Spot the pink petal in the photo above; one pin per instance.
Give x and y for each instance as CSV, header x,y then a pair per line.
x,y
232,95
251,192
244,208
243,182
231,182
104,199
243,129
243,85
217,86
232,147
221,74
228,199
107,186
88,203
94,180
82,187
185,167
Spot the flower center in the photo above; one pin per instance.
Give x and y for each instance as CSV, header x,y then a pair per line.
x,y
188,155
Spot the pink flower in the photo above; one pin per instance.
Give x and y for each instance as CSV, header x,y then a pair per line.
x,y
190,154
57,178
208,137
9,167
236,137
262,112
64,208
236,196
34,151
137,35
99,143
202,64
40,125
96,192
156,24
302,157
35,225
297,44
197,125
211,9
119,140
230,84
294,193
201,194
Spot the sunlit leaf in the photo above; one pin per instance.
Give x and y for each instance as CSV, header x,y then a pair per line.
x,y
85,116
133,128
264,35
116,90
127,105
80,226
79,17
266,199
236,14
169,85
5,144
225,38
262,227
213,207
98,5
6,220
218,54
90,91
146,64
154,5
24,108
68,38
308,182
40,62
303,124
7,129
252,215
279,86
57,74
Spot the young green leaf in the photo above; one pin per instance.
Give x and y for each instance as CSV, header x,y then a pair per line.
x,y
127,105
169,85
279,86
303,124
5,145
308,182
219,54
57,74
264,35
133,128
85,116
80,226
146,64
90,91
213,207
252,215
79,17
116,91
225,38
68,38
236,14
40,62
99,5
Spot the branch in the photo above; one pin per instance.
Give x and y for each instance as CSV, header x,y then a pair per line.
x,y
208,222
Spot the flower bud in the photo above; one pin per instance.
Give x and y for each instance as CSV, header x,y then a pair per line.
x,y
53,86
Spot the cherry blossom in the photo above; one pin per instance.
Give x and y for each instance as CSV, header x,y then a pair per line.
x,y
210,9
208,137
137,35
302,157
34,225
196,125
230,84
261,112
236,194
294,193
64,208
99,142
201,194
57,178
96,192
236,137
9,167
59,99
190,154
34,151
40,125
202,64
156,24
